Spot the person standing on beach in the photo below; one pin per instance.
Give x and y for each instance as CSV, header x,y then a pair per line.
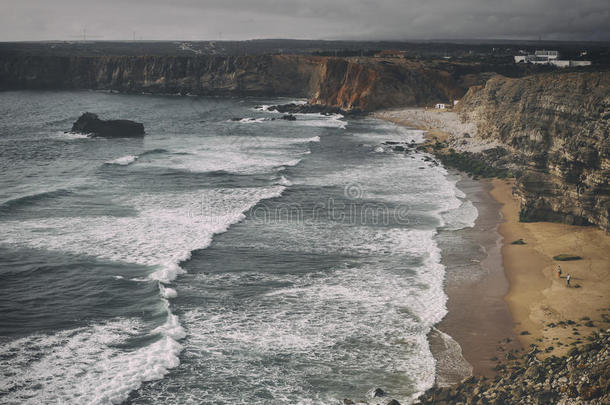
x,y
568,279
558,271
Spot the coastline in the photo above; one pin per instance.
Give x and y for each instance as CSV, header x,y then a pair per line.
x,y
518,295
478,317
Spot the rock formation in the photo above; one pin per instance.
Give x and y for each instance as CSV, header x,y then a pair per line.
x,y
90,124
581,377
555,129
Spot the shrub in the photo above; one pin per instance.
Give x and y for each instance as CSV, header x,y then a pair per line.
x,y
565,257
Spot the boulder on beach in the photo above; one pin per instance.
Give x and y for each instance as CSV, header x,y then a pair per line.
x,y
92,125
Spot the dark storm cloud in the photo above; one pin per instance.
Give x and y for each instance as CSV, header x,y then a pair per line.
x,y
319,19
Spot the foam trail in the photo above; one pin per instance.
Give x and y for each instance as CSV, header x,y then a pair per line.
x,y
123,161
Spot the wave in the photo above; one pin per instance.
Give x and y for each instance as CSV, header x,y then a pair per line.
x,y
86,363
249,120
331,121
72,135
235,155
123,161
129,159
25,200
463,216
265,108
284,181
157,151
165,232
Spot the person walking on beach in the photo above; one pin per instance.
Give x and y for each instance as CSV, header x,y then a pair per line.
x,y
568,279
558,271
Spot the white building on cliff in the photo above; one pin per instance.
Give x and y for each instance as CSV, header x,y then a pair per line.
x,y
548,57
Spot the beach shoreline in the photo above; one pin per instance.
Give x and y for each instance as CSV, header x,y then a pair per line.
x,y
478,317
519,300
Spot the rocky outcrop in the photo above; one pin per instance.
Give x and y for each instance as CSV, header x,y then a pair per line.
x,y
554,128
581,377
90,124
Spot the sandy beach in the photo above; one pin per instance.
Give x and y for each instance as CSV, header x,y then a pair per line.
x,y
519,296
545,310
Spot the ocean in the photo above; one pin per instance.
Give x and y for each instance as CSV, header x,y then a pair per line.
x,y
227,257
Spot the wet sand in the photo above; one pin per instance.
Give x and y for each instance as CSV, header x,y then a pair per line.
x,y
478,317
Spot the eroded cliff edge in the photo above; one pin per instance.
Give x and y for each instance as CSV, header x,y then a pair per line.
x,y
353,83
555,129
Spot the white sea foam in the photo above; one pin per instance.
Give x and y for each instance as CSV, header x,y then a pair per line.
x,y
83,365
331,121
463,216
167,228
265,108
235,154
451,366
318,317
284,181
249,120
71,135
123,160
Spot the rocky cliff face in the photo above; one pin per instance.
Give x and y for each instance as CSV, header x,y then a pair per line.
x,y
555,126
349,83
203,75
370,84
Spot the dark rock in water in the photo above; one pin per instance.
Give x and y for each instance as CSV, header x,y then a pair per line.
x,y
289,117
89,123
293,108
399,148
393,402
378,393
236,119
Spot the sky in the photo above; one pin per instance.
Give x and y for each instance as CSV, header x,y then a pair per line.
x,y
304,19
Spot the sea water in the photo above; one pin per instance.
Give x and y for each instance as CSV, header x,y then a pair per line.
x,y
228,257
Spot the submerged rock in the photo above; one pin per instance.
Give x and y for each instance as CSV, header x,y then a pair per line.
x,y
378,392
91,124
289,117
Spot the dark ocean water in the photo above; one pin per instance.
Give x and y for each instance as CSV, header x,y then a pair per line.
x,y
214,261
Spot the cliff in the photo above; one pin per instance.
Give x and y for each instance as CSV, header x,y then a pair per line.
x,y
349,83
203,75
555,130
370,84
